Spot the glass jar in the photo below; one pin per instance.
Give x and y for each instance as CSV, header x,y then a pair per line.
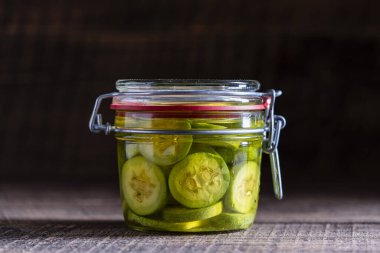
x,y
189,151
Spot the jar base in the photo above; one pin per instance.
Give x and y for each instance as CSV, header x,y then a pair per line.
x,y
225,222
189,231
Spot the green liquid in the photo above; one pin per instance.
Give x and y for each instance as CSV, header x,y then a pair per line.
x,y
239,202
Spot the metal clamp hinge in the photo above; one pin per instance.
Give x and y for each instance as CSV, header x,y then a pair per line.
x,y
274,123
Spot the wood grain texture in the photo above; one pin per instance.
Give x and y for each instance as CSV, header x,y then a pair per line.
x,y
50,217
115,237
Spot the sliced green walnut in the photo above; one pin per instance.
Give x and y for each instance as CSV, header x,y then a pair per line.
x,y
165,149
242,195
200,180
227,154
131,150
223,122
219,141
215,141
154,224
182,214
143,186
247,153
231,221
206,126
126,121
225,222
199,148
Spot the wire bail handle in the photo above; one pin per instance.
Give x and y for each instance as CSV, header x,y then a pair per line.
x,y
275,124
271,131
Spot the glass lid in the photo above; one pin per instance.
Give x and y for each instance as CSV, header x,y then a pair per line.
x,y
188,94
136,85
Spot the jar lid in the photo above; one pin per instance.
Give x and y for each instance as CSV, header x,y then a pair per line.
x,y
128,85
188,95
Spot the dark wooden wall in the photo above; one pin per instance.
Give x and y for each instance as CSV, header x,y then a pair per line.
x,y
57,56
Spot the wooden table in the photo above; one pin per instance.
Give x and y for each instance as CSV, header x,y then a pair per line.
x,y
48,217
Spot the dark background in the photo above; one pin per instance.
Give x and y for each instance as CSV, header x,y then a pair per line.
x,y
56,57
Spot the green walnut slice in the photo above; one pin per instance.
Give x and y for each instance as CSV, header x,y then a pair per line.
x,y
155,224
206,126
143,185
165,149
199,148
200,180
242,194
131,150
213,140
217,141
231,221
227,154
182,214
247,153
225,222
126,121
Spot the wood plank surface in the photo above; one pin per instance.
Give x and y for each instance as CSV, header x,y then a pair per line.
x,y
87,218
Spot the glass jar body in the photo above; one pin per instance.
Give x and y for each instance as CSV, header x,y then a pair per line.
x,y
189,182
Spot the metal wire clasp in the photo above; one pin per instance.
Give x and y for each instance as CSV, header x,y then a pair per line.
x,y
275,124
271,131
96,123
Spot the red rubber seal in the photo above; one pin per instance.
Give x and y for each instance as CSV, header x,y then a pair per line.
x,y
131,106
